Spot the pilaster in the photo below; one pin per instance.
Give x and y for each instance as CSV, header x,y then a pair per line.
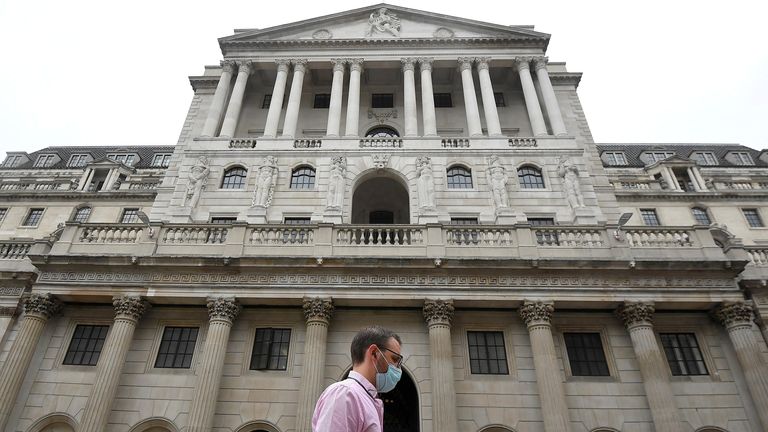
x,y
317,313
438,315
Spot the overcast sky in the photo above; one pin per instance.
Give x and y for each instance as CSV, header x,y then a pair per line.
x,y
115,73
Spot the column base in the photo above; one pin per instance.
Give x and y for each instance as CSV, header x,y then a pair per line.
x,y
256,215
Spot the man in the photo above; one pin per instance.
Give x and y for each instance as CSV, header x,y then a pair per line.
x,y
353,405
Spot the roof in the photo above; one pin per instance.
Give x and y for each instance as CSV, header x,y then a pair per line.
x,y
633,151
145,154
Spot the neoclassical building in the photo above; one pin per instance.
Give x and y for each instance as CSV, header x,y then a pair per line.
x,y
385,165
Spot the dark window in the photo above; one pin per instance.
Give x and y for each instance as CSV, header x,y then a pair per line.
x,y
753,218
585,354
86,344
701,216
270,349
464,221
499,97
382,100
705,158
683,354
82,214
443,100
650,217
177,347
541,221
33,217
487,354
303,178
223,220
459,178
322,100
296,221
542,236
381,217
234,178
267,100
530,178
382,132
130,215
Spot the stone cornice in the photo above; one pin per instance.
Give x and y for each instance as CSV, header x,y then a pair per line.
x,y
203,82
637,195
78,196
565,78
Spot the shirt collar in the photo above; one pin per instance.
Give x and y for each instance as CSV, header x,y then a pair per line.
x,y
364,381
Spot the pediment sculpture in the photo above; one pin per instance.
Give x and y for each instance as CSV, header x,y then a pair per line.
x,y
383,21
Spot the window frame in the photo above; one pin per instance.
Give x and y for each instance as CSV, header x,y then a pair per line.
x,y
379,98
573,322
655,215
29,214
222,220
123,215
703,158
266,101
296,175
46,160
697,338
612,158
79,156
72,338
165,160
324,100
440,99
127,159
156,351
12,161
461,184
569,360
757,214
743,158
77,212
498,98
705,212
506,361
269,355
227,171
535,169
653,155
4,213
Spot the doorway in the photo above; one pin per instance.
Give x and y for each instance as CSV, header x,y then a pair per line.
x,y
380,200
401,406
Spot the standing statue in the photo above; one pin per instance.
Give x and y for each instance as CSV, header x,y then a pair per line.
x,y
196,181
498,179
571,185
383,21
265,182
426,183
336,183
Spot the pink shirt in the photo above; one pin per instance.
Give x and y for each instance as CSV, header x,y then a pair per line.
x,y
349,406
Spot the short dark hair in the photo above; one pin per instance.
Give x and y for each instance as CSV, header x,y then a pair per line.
x,y
376,335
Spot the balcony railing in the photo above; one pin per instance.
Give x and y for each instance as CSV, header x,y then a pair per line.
x,y
14,250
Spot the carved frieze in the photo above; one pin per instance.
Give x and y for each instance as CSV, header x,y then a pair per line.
x,y
322,34
43,305
318,309
438,312
223,308
443,33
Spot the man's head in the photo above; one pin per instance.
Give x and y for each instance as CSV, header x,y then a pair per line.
x,y
373,350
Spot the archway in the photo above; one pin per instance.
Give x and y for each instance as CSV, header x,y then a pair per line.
x,y
401,406
56,422
380,199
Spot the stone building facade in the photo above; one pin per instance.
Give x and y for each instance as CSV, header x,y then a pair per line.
x,y
432,174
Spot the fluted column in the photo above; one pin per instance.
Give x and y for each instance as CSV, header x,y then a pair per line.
x,y
427,97
550,99
221,313
489,99
236,100
38,308
276,102
737,318
353,98
638,319
531,99
470,99
538,318
409,97
334,109
128,311
294,99
217,104
317,312
438,315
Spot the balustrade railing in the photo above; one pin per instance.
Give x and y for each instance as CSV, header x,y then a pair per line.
x,y
479,236
758,256
658,237
281,235
381,143
635,185
307,143
242,143
455,142
379,235
570,237
143,185
522,142
14,250
193,235
113,233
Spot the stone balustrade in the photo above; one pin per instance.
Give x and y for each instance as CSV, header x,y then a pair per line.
x,y
758,256
110,233
479,236
455,142
14,250
381,143
522,142
194,235
143,185
307,143
658,237
241,143
283,235
382,235
570,237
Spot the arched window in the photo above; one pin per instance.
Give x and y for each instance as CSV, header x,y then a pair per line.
x,y
459,177
530,177
701,216
234,178
303,177
382,132
82,214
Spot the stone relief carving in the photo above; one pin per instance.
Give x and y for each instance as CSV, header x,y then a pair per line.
x,y
382,116
383,21
132,307
571,184
498,179
536,312
380,161
322,34
426,183
222,308
438,312
196,182
732,314
318,309
265,182
635,313
336,183
443,32
45,305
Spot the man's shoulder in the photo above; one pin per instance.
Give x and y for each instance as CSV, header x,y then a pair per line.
x,y
341,386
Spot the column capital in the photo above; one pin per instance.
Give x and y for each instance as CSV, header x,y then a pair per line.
x,y
483,62
227,65
465,63
44,305
283,65
523,63
408,63
338,64
355,64
540,62
425,63
438,312
299,65
536,312
318,309
223,308
734,314
130,307
244,66
636,313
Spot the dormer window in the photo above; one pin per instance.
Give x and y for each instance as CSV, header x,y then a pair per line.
x,y
12,161
125,159
615,158
704,158
161,160
656,156
743,158
45,161
77,160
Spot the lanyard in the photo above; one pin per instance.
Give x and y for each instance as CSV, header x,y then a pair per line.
x,y
361,385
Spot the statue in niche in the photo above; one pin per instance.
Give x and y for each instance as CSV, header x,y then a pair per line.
x,y
498,179
383,21
265,182
571,185
336,183
426,183
196,181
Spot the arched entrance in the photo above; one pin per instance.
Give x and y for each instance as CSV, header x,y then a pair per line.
x,y
401,406
380,199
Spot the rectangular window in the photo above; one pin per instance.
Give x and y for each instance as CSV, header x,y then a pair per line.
x,y
126,159
130,215
161,160
683,354
44,161
464,221
443,100
544,237
270,349
33,217
177,347
267,100
322,100
499,97
296,221
382,100
615,158
650,218
585,354
743,158
223,220
12,161
658,156
77,160
487,354
82,214
704,158
753,217
298,236
86,345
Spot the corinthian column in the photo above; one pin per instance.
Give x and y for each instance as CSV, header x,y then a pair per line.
x,y
353,98
638,318
276,102
128,310
221,312
438,315
236,100
489,99
317,312
737,319
427,97
550,99
538,318
334,108
409,97
470,99
38,308
294,99
531,99
217,104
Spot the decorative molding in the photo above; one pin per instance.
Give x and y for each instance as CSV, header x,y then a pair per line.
x,y
9,311
438,312
299,65
443,33
42,305
408,63
540,62
523,63
318,309
131,307
11,291
734,314
338,64
425,63
382,116
227,66
487,41
536,312
244,66
223,308
283,65
636,314
465,63
483,63
380,161
322,34
355,64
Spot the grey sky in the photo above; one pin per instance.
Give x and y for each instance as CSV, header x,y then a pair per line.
x,y
114,73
